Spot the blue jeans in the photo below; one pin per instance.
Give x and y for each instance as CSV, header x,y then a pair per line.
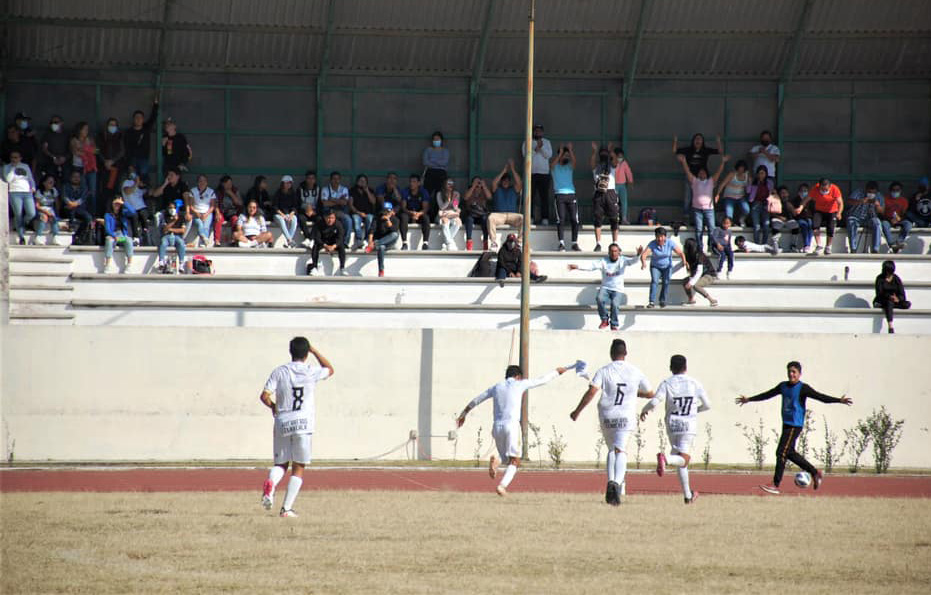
x,y
90,203
382,245
658,276
142,167
346,220
727,253
203,227
760,217
730,203
609,302
169,240
44,224
687,202
905,228
621,190
125,241
853,235
24,211
362,231
703,218
804,227
288,228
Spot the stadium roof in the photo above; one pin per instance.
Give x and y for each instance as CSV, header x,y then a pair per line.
x,y
760,39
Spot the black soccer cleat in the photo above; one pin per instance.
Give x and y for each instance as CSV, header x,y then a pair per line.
x,y
613,493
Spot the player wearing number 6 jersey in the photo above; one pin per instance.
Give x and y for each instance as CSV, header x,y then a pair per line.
x,y
620,384
292,386
685,397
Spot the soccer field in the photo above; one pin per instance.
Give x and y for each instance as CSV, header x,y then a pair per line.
x,y
450,542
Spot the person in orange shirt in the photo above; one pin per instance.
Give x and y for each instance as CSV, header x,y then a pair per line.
x,y
893,215
829,206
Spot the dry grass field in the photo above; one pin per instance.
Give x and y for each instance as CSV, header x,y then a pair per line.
x,y
420,542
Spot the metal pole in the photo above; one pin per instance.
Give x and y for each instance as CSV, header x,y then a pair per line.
x,y
525,260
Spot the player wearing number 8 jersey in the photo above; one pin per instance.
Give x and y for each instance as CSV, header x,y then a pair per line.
x,y
620,384
289,393
684,397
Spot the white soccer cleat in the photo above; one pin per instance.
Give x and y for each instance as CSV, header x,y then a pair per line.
x,y
493,467
501,490
287,513
268,494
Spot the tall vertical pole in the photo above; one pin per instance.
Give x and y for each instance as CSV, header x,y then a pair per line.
x,y
525,256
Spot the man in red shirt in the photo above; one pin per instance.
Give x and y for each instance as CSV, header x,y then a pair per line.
x,y
893,215
829,206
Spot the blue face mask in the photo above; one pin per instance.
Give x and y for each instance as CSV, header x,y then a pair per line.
x,y
112,129
437,143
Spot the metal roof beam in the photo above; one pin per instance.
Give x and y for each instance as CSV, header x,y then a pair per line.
x,y
322,71
478,58
632,64
795,46
163,33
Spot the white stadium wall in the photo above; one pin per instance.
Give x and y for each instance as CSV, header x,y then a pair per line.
x,y
179,394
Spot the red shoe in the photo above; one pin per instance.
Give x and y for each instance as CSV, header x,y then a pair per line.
x,y
603,325
268,496
660,464
819,477
469,245
368,249
381,273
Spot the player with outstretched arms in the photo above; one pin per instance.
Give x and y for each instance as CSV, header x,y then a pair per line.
x,y
620,384
685,398
506,428
289,393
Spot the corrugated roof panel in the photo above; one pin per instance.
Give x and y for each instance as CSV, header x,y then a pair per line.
x,y
48,44
506,55
724,15
195,49
405,15
284,51
429,54
279,12
565,56
885,57
710,56
869,15
569,15
129,10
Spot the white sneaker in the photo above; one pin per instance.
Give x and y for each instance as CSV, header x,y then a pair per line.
x,y
124,270
818,250
728,275
54,241
38,241
444,247
307,244
453,247
287,513
107,268
343,273
501,490
246,244
827,250
775,246
135,242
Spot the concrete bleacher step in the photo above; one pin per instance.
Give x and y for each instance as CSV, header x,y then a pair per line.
x,y
30,292
29,260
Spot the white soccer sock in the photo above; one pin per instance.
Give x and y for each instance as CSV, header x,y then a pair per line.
x,y
275,474
675,460
684,480
294,486
610,465
620,466
508,475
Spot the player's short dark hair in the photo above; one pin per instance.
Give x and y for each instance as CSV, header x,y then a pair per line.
x,y
618,348
794,364
513,371
677,364
299,348
659,231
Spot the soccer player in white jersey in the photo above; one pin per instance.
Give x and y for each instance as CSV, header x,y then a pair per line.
x,y
620,383
506,428
685,398
289,393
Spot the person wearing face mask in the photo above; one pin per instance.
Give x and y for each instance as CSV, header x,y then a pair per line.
x,y
800,208
567,207
54,150
539,175
890,293
176,151
863,211
29,144
22,186
828,209
112,152
509,262
765,154
894,211
604,202
172,235
435,166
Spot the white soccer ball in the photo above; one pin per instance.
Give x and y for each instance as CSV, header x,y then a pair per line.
x,y
802,479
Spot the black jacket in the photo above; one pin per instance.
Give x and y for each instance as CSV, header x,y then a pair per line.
x,y
329,235
509,260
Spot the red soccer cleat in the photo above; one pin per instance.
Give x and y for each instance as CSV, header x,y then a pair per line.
x,y
660,464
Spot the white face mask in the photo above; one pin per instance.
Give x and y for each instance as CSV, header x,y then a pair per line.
x,y
871,195
437,143
803,193
172,212
56,127
826,191
112,129
23,124
895,194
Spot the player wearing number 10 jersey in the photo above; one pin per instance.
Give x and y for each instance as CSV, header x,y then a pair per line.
x,y
620,384
292,386
684,397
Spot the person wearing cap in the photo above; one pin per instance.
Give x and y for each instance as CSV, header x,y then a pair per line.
x,y
53,153
285,204
335,197
509,262
919,207
506,191
447,203
118,230
435,165
330,237
383,234
362,205
47,203
539,175
176,151
137,140
203,210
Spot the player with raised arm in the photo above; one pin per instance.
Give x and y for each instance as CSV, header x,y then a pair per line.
x,y
685,398
794,394
619,383
289,393
506,428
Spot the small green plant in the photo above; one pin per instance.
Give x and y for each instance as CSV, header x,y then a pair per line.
x,y
807,428
641,441
556,447
706,452
661,430
856,441
829,455
886,434
756,442
599,446
536,442
478,447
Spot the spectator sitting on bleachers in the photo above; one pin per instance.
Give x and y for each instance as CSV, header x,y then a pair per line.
x,y
203,210
828,209
285,202
172,230
758,192
604,201
566,203
506,191
509,262
54,153
84,159
863,211
171,191
435,163
133,191
890,293
415,206
75,206
474,208
781,217
176,150
330,237
895,208
22,187
722,246
251,228
383,234
118,230
800,209
448,214
696,156
335,198
765,154
112,152
363,205
309,194
734,187
231,204
701,273
660,251
610,296
752,247
47,206
919,207
703,198
259,193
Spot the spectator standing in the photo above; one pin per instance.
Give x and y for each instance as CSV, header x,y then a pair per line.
x,y
610,296
22,187
84,159
415,206
118,230
176,150
828,209
734,188
919,207
54,150
335,197
383,234
509,262
696,157
567,206
758,194
112,152
252,229
506,192
722,244
230,202
894,214
701,273
660,252
363,206
75,197
436,164
623,178
330,238
47,207
259,193
448,212
703,198
138,141
890,293
539,175
203,211
29,144
863,211
474,209
172,236
285,203
800,208
765,154
604,201
14,141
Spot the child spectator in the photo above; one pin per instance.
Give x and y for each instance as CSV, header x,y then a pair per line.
x,y
701,273
47,205
744,246
118,230
890,293
722,245
448,213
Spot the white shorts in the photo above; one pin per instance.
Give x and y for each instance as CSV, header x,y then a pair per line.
x,y
681,442
294,448
616,431
507,439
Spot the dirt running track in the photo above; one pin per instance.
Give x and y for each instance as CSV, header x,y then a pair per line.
x,y
458,480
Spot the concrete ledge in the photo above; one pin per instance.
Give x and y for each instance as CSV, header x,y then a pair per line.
x,y
33,287
42,316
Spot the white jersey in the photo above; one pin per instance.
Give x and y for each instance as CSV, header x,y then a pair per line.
x,y
293,387
619,383
200,201
684,397
507,396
